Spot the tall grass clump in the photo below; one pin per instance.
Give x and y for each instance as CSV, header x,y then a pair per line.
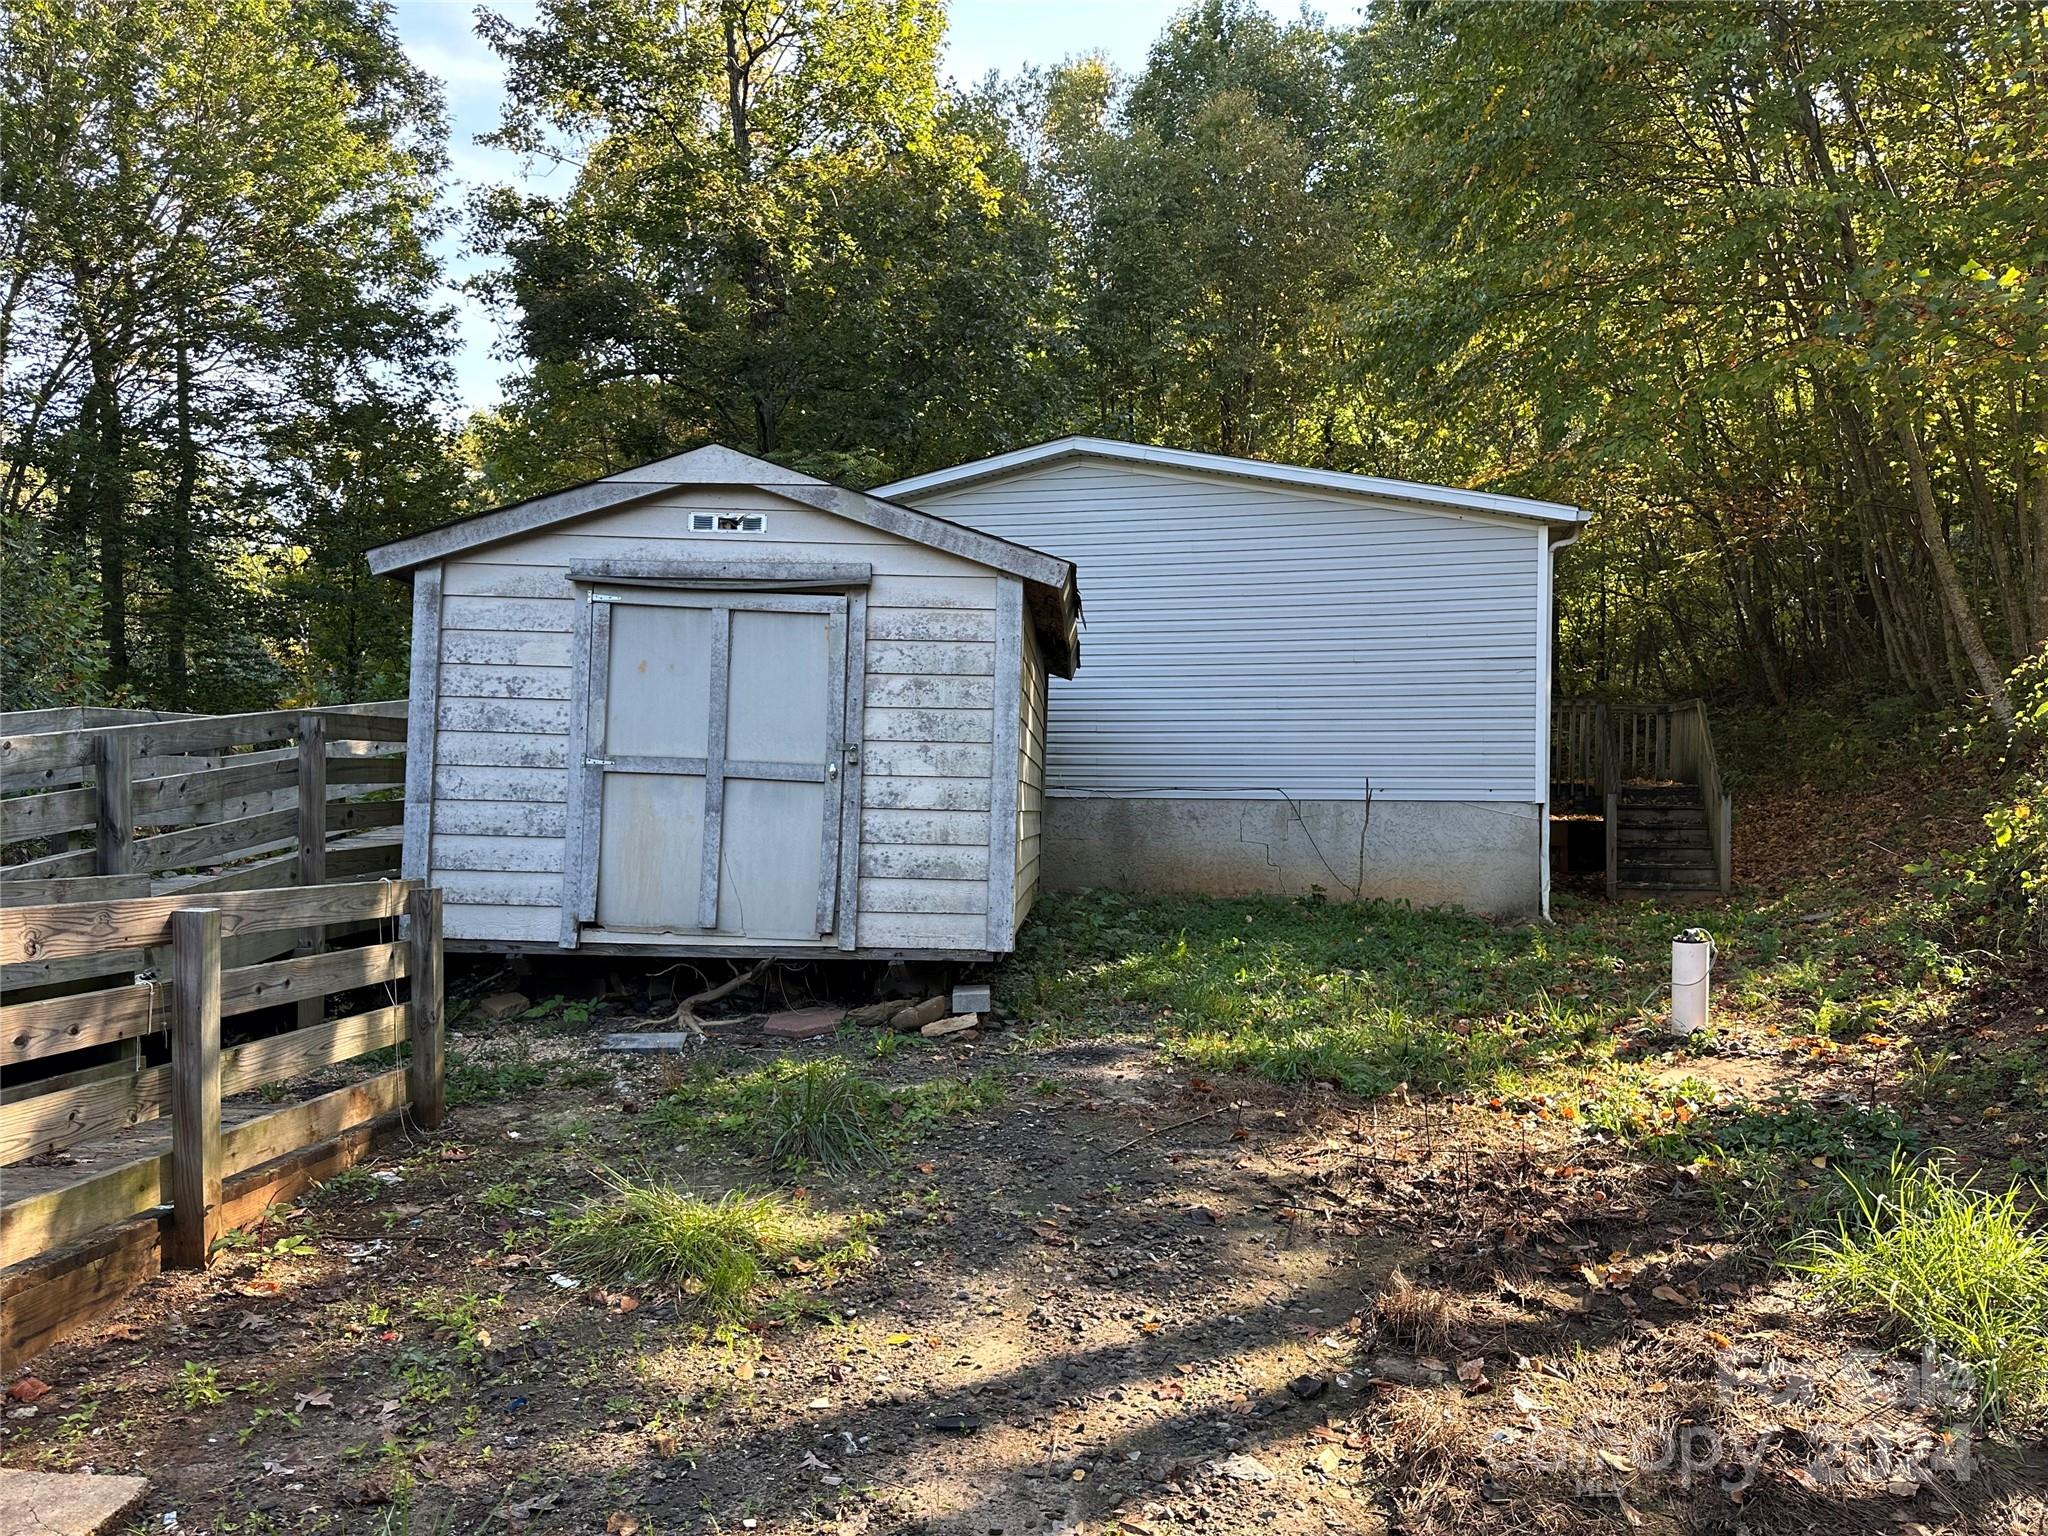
x,y
1947,1265
822,1113
716,1253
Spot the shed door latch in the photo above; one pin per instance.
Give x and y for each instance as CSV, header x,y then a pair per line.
x,y
597,762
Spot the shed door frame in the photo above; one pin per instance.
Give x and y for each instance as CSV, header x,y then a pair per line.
x,y
838,907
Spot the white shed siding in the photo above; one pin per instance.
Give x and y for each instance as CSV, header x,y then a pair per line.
x,y
500,780
1030,774
1246,639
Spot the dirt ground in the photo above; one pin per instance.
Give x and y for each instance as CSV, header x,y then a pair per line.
x,y
1123,1299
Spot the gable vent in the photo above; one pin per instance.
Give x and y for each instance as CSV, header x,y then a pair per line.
x,y
728,522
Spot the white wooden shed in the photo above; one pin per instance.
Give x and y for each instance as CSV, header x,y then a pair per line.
x,y
711,706
1297,677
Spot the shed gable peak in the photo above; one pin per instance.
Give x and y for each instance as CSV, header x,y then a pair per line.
x,y
713,464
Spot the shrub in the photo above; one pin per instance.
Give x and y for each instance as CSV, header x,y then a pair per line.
x,y
1948,1266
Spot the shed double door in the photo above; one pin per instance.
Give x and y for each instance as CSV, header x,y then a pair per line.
x,y
715,762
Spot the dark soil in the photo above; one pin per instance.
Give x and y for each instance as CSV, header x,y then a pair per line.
x,y
1126,1299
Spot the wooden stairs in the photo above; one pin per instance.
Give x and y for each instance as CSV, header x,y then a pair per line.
x,y
1649,772
1664,842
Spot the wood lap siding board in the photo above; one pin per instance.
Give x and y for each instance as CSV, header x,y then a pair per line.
x,y
1031,699
506,679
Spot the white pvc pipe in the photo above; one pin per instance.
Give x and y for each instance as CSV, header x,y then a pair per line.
x,y
1692,962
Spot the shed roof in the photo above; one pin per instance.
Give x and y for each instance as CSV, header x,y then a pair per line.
x,y
1448,498
1050,587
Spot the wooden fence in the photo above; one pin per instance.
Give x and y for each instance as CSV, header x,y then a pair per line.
x,y
155,1167
197,802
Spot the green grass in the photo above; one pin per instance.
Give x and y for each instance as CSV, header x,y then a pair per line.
x,y
474,1081
820,1113
1366,995
1775,1166
1370,995
718,1255
1948,1265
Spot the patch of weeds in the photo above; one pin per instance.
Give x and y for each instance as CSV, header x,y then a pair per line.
x,y
461,1320
1978,1080
1764,1162
471,1081
425,1379
502,1197
1376,1051
199,1386
822,1112
262,1416
1365,995
352,1186
72,1431
561,1015
1947,1265
941,1098
719,1254
887,1043
817,1113
572,1130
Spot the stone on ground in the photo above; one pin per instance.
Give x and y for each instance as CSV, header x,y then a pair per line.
x,y
66,1503
651,1040
917,1015
951,1026
500,1006
802,1023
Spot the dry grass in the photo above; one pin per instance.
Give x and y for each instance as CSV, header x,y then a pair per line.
x,y
1418,1316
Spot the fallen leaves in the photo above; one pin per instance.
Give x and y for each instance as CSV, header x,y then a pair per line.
x,y
28,1389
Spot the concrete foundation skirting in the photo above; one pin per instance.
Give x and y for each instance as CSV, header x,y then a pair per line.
x,y
1485,855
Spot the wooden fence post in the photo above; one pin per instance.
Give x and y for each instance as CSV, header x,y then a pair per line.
x,y
195,1086
312,860
114,767
429,1040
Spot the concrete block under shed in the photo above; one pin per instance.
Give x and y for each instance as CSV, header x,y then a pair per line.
x,y
971,1000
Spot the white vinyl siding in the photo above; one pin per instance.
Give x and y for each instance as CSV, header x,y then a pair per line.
x,y
1250,640
500,780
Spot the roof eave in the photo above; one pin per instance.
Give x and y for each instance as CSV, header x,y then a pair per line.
x,y
1437,498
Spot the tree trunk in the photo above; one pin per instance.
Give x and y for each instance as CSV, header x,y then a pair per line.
x,y
104,505
183,580
1948,582
2040,542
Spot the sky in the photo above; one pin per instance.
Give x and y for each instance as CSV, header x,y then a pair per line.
x,y
440,37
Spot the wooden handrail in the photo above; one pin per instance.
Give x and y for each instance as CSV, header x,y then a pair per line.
x,y
1602,745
